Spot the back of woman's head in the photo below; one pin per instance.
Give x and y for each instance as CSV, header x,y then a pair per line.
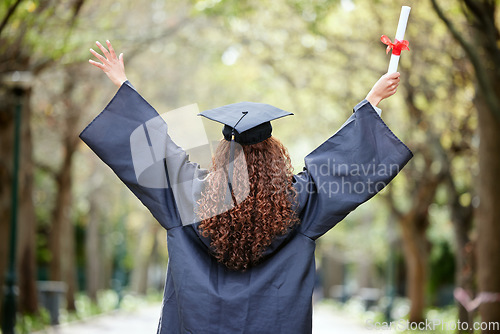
x,y
263,190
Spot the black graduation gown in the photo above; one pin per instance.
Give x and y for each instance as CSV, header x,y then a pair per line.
x,y
203,296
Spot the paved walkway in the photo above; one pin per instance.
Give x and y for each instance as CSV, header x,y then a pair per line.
x,y
326,320
142,321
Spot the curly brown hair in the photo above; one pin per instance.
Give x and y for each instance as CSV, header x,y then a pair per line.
x,y
263,189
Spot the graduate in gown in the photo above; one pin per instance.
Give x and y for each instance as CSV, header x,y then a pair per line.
x,y
241,236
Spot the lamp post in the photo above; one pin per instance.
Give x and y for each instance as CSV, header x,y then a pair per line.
x,y
19,83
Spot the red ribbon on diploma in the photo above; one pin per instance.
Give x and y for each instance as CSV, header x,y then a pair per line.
x,y
396,47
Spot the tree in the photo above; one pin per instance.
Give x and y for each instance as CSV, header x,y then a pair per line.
x,y
481,44
18,52
62,235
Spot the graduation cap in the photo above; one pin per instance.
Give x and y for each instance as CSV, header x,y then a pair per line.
x,y
246,123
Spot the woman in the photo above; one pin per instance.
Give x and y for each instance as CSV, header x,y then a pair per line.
x,y
241,237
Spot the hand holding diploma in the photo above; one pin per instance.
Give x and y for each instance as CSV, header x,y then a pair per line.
x,y
385,87
399,42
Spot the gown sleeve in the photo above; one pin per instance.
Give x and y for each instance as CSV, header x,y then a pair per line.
x,y
132,139
348,169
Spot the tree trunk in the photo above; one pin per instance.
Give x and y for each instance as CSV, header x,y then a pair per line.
x,y
62,235
488,218
464,262
415,247
414,224
484,54
142,256
464,256
6,163
26,230
93,252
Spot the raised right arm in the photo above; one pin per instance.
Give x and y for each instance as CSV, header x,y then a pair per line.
x,y
110,64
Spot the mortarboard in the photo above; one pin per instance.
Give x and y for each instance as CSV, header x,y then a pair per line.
x,y
250,121
246,123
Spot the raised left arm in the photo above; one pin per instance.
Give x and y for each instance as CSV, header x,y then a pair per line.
x,y
131,138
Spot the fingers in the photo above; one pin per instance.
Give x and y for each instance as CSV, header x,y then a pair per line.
x,y
96,64
103,49
393,84
393,79
98,56
393,88
394,75
108,58
111,50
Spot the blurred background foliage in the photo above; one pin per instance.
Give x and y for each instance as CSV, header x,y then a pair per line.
x,y
415,242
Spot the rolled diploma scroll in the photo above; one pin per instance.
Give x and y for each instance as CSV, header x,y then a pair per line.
x,y
400,35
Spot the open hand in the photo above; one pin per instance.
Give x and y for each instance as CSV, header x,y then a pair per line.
x,y
386,86
110,64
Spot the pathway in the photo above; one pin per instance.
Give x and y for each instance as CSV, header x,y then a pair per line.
x,y
326,320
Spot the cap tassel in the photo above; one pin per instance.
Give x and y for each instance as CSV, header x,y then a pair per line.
x,y
230,193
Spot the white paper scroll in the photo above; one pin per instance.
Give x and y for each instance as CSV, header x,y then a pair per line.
x,y
400,35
